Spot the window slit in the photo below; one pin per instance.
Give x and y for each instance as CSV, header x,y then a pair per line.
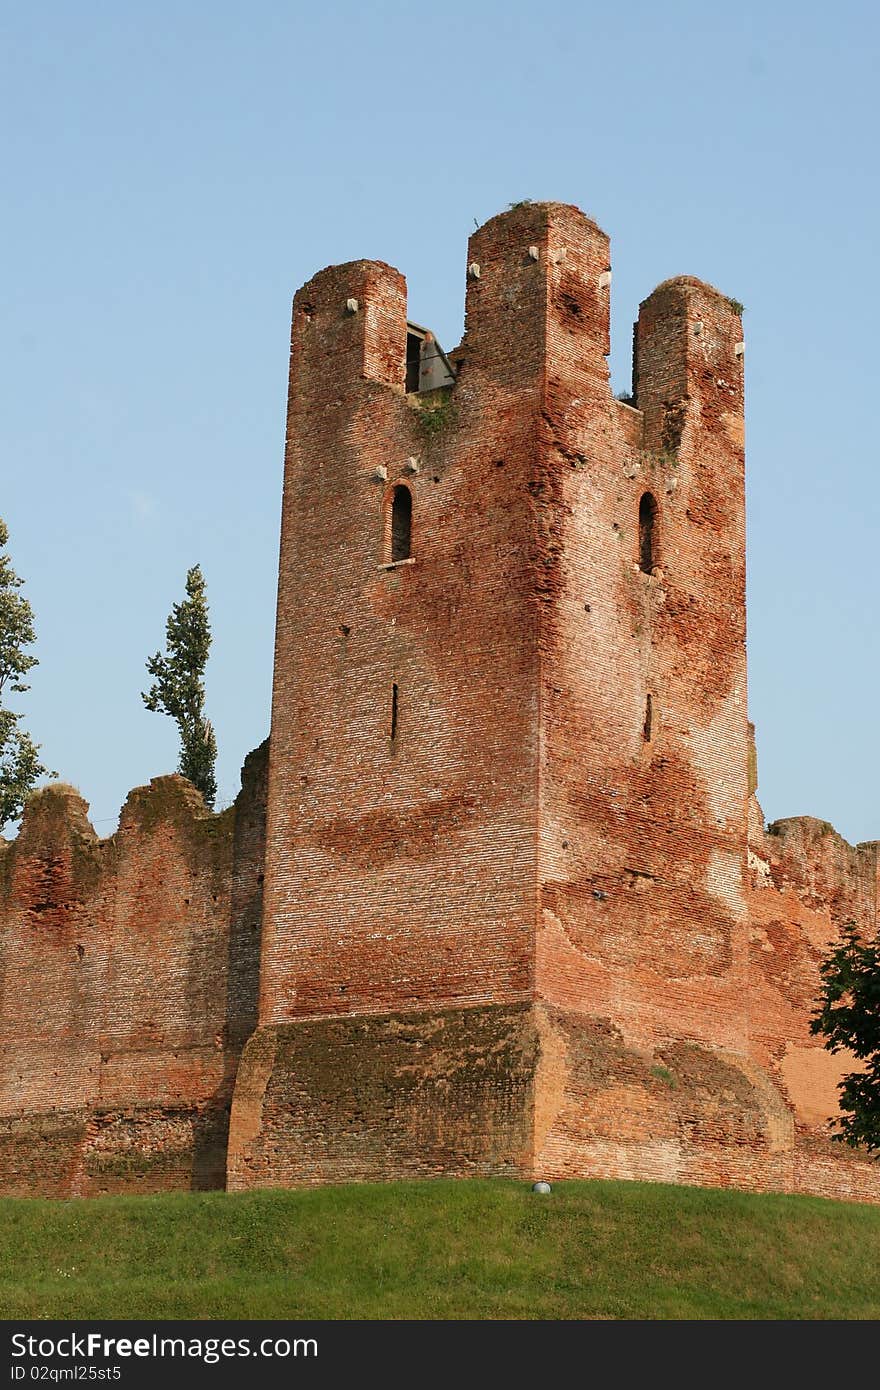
x,y
413,362
401,524
394,711
649,719
647,545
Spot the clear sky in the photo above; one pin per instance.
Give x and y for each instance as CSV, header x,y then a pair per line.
x,y
172,172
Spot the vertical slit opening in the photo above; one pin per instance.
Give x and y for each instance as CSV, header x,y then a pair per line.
x,y
647,542
413,362
401,523
649,719
394,711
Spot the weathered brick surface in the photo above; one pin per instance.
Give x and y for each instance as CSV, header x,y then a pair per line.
x,y
805,882
678,1112
643,839
447,1092
128,983
562,817
397,870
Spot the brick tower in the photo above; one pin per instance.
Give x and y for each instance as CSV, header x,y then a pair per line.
x,y
505,927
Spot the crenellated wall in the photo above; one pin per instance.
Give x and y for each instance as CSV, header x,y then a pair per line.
x,y
128,984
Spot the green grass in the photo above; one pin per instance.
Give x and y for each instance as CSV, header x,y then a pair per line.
x,y
442,1250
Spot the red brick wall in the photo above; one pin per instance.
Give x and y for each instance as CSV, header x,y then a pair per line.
x,y
128,982
608,1104
643,840
805,883
400,872
443,1092
521,840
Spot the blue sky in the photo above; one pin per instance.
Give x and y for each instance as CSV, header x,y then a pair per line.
x,y
173,172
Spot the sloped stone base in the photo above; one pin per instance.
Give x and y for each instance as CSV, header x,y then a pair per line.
x,y
374,1098
677,1113
516,1091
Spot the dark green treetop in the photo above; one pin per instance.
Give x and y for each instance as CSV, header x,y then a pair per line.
x,y
848,1016
178,686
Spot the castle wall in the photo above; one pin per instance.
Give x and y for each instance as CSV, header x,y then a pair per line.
x,y
128,983
643,938
438,1093
805,883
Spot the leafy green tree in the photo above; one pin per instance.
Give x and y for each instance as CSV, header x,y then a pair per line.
x,y
178,687
20,765
848,1016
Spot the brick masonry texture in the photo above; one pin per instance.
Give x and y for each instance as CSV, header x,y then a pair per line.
x,y
128,984
440,1093
561,820
521,914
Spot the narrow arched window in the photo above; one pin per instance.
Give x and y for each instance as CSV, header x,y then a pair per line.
x,y
401,523
647,533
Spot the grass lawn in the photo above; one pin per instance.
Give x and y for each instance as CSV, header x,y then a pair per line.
x,y
469,1249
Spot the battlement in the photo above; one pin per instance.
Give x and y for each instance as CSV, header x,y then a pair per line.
x,y
687,358
538,302
128,985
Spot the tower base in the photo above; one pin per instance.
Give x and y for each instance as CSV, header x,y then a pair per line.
x,y
410,1095
521,1091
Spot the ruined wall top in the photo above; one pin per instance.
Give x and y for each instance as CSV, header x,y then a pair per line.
x,y
530,269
